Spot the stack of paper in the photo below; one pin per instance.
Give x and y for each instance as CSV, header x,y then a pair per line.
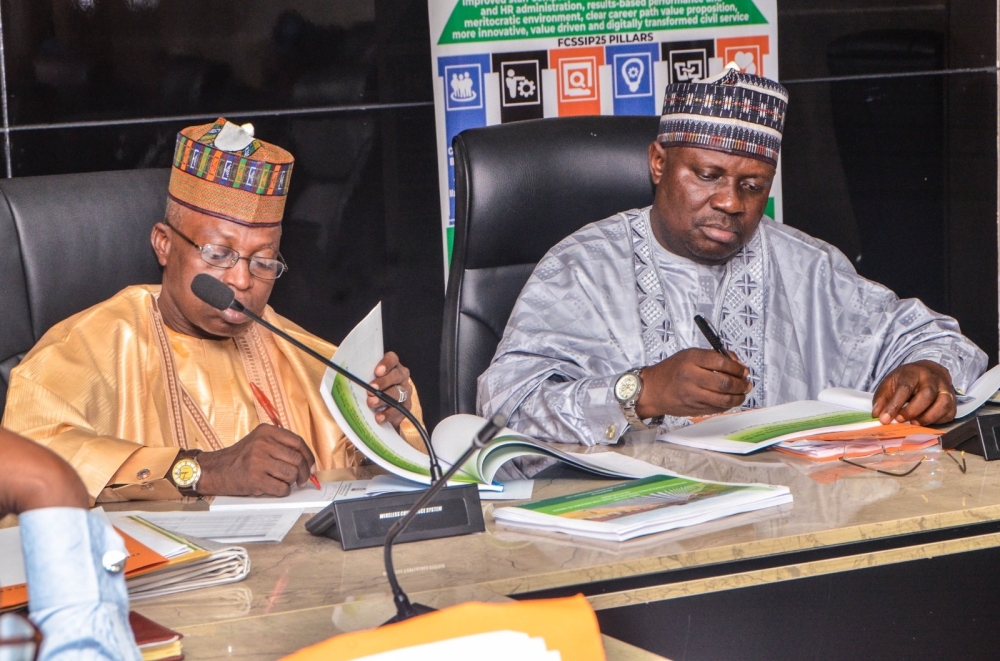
x,y
884,439
191,565
642,507
13,586
159,563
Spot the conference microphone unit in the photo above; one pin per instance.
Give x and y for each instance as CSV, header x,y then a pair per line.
x,y
365,522
404,608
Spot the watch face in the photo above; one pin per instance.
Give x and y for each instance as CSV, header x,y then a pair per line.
x,y
626,387
186,472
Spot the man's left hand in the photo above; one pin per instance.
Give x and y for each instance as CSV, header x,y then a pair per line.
x,y
392,378
920,392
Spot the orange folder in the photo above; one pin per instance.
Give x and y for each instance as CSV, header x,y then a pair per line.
x,y
141,559
568,625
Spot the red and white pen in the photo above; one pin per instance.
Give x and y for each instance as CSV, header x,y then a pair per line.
x,y
268,407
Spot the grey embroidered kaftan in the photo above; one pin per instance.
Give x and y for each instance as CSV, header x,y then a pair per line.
x,y
791,307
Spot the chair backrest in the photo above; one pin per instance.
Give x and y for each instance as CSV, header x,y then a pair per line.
x,y
520,189
68,242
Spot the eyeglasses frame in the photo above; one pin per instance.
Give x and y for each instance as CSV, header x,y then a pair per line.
x,y
36,636
201,247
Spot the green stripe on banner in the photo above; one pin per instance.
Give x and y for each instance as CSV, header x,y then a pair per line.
x,y
474,21
450,235
769,209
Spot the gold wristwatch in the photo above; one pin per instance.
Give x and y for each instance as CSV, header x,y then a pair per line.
x,y
186,472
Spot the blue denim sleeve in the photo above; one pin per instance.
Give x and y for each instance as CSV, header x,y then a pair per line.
x,y
73,561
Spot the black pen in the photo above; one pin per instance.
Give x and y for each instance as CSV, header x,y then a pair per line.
x,y
710,334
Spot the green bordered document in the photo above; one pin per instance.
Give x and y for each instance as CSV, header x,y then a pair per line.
x,y
747,431
834,410
361,351
642,507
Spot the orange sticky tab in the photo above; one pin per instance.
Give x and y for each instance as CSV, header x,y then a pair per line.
x,y
141,558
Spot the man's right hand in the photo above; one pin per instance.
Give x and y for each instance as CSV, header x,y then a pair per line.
x,y
692,382
265,462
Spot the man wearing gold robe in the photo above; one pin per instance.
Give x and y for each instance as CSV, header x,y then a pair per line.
x,y
155,379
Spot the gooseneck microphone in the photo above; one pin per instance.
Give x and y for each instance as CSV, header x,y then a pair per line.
x,y
217,294
404,609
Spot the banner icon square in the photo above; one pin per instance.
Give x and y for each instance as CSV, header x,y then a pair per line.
x,y
520,83
463,86
747,52
633,74
578,79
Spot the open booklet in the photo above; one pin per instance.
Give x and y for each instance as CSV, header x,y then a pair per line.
x,y
642,507
836,409
361,351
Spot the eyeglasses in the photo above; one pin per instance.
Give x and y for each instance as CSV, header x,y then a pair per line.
x,y
885,472
20,639
225,257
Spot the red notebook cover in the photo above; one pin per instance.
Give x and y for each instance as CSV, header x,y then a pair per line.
x,y
149,633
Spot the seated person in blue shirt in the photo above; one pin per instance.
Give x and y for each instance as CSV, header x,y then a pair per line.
x,y
73,559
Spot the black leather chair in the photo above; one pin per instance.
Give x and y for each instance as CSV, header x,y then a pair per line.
x,y
68,242
521,188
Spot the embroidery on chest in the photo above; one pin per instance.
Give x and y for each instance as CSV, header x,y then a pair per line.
x,y
256,364
654,316
741,321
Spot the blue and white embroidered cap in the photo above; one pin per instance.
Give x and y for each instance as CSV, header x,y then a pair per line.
x,y
735,112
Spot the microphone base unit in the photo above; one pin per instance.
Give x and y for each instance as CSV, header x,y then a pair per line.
x,y
415,609
980,435
361,523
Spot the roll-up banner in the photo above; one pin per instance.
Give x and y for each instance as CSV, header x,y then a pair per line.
x,y
497,61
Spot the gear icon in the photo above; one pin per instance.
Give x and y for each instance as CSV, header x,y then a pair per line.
x,y
526,88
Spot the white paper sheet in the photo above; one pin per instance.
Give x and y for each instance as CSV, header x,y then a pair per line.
x,y
223,527
512,490
307,497
492,646
12,567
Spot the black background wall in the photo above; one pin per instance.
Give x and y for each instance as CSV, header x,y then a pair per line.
x,y
901,174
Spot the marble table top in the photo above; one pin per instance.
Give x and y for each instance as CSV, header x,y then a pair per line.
x,y
308,589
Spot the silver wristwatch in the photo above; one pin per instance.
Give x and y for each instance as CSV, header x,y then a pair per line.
x,y
628,387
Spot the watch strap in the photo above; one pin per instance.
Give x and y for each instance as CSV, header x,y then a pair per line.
x,y
628,407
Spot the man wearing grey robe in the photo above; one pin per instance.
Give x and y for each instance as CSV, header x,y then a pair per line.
x,y
620,294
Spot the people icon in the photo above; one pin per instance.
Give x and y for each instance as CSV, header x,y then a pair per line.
x,y
461,87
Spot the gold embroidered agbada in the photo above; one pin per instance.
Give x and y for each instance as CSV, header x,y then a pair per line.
x,y
117,393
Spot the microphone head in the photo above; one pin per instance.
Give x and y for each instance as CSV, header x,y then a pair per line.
x,y
212,291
